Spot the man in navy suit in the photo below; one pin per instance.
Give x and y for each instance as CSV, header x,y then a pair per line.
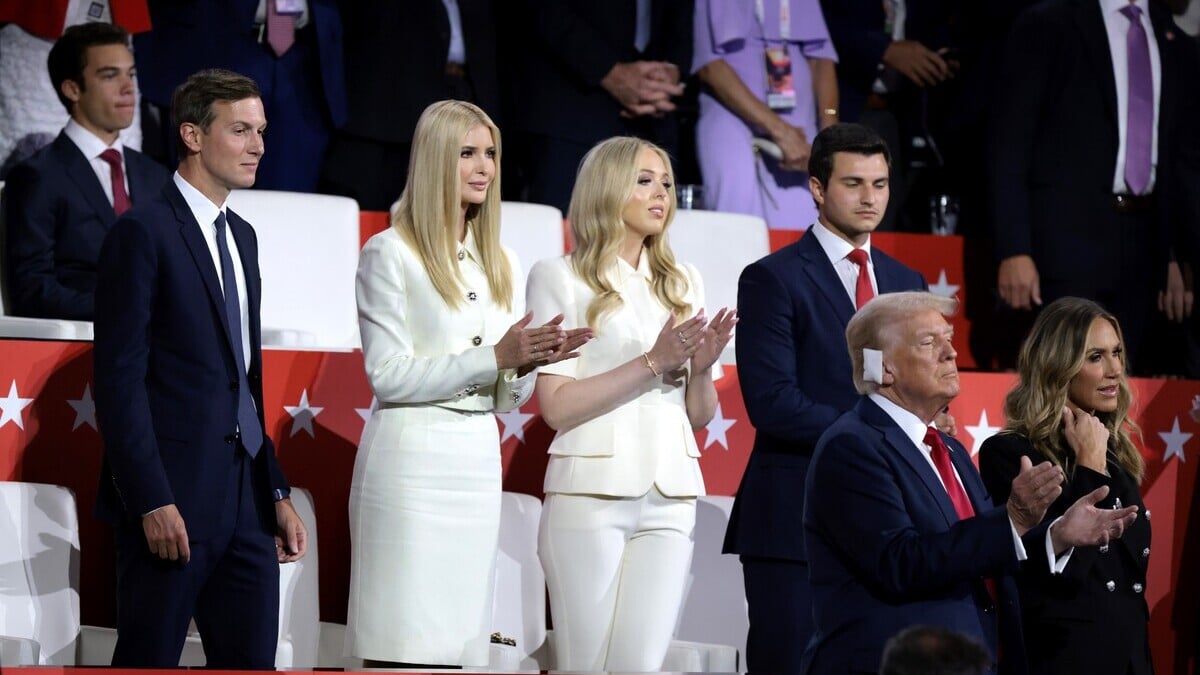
x,y
190,481
795,377
898,525
59,203
1095,159
299,67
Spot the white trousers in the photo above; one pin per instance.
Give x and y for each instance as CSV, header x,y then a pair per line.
x,y
616,569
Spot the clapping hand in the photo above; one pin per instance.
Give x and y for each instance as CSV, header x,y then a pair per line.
x,y
713,339
525,348
1085,525
1033,491
677,343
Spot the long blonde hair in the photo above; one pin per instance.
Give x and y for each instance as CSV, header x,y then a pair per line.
x,y
1050,357
428,212
606,180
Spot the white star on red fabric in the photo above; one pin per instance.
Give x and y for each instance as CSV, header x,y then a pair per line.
x,y
717,427
980,432
513,423
303,415
11,407
365,413
942,287
85,409
1174,440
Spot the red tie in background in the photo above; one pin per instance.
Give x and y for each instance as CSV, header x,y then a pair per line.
x,y
862,290
958,496
120,196
281,29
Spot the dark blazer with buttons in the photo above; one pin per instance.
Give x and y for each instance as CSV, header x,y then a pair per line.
x,y
795,376
56,216
165,376
1093,617
887,550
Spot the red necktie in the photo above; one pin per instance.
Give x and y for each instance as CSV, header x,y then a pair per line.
x,y
120,196
862,290
281,29
958,496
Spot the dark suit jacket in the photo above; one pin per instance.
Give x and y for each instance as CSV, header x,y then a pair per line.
x,y
190,35
887,550
795,377
1073,622
1054,147
386,95
166,379
857,30
56,216
572,46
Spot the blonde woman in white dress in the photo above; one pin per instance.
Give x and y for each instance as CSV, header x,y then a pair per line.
x,y
445,345
615,538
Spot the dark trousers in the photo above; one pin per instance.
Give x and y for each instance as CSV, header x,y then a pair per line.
x,y
781,619
230,586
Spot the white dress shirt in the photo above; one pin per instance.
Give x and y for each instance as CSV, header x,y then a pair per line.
x,y
837,250
647,440
457,52
1117,27
205,213
91,146
260,13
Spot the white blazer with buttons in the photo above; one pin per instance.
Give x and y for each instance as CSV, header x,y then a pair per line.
x,y
417,349
645,441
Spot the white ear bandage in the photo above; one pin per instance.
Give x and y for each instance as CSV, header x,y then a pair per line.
x,y
873,366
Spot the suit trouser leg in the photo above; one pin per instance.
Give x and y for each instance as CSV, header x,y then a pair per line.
x,y
780,607
616,569
237,610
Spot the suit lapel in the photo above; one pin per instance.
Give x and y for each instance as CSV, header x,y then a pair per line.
x,y
80,171
976,492
821,272
1165,34
189,230
912,456
1090,23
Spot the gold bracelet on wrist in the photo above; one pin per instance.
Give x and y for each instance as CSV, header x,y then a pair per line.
x,y
829,112
650,364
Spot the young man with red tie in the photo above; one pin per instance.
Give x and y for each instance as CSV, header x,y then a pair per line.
x,y
60,203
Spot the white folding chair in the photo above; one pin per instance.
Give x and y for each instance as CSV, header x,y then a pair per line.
x,y
714,609
533,231
39,573
720,245
308,254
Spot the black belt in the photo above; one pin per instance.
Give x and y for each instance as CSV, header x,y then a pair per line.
x,y
1133,203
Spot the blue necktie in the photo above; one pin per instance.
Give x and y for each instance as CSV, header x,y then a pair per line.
x,y
248,425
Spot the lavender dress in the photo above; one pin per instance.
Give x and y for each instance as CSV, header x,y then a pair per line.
x,y
728,29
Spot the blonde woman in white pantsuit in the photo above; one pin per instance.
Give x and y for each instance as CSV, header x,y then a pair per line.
x,y
615,538
445,345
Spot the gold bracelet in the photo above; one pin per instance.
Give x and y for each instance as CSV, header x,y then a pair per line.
x,y
829,112
650,364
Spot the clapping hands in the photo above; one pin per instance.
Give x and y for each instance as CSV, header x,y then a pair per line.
x,y
525,348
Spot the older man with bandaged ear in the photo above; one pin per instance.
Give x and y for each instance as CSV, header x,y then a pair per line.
x,y
899,527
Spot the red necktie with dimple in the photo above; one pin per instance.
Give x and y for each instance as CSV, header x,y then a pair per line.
x,y
958,496
120,196
281,29
862,290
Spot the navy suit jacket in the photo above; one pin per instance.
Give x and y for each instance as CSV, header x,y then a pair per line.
x,y
796,379
56,218
166,379
887,549
190,35
571,47
1054,155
